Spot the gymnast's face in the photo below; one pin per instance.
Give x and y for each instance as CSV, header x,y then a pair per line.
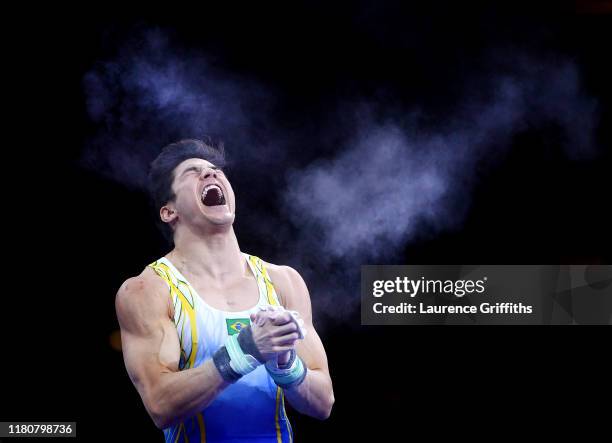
x,y
204,196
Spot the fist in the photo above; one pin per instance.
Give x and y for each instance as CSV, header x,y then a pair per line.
x,y
274,333
277,315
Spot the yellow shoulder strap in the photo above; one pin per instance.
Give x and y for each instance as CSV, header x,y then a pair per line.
x,y
184,305
264,277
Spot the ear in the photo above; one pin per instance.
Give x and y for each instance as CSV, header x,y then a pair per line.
x,y
168,214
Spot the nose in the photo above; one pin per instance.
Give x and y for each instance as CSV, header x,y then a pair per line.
x,y
208,172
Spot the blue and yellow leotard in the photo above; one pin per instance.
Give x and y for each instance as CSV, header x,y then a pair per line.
x,y
253,408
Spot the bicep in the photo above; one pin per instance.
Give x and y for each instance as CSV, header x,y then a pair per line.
x,y
149,341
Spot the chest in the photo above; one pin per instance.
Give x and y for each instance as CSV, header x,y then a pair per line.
x,y
239,295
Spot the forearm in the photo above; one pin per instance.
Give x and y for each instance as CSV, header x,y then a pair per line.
x,y
182,394
314,396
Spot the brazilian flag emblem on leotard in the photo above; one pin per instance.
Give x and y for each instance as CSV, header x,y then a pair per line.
x,y
235,325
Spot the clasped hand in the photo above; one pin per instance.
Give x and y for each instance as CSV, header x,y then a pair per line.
x,y
275,333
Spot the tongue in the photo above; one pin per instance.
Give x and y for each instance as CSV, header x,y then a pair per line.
x,y
213,198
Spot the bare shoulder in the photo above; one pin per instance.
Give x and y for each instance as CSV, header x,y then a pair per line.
x,y
289,284
142,295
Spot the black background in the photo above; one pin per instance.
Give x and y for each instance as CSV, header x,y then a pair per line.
x,y
75,236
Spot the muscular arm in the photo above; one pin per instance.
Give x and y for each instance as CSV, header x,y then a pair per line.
x,y
151,353
315,396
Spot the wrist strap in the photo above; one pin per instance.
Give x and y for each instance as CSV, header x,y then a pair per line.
x,y
238,357
247,344
289,364
221,359
290,377
239,361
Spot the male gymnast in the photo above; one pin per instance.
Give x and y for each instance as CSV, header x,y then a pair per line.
x,y
214,339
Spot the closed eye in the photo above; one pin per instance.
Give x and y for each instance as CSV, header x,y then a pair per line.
x,y
198,170
192,169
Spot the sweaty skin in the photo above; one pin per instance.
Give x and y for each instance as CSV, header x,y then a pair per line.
x,y
206,251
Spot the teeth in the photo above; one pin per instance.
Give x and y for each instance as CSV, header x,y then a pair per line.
x,y
208,188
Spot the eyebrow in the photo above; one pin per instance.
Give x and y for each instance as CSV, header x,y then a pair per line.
x,y
197,168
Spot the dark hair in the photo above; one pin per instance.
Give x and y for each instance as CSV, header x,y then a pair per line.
x,y
161,173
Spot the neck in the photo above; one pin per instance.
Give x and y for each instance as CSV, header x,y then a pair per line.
x,y
214,256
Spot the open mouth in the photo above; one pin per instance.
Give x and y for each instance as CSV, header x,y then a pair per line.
x,y
212,195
